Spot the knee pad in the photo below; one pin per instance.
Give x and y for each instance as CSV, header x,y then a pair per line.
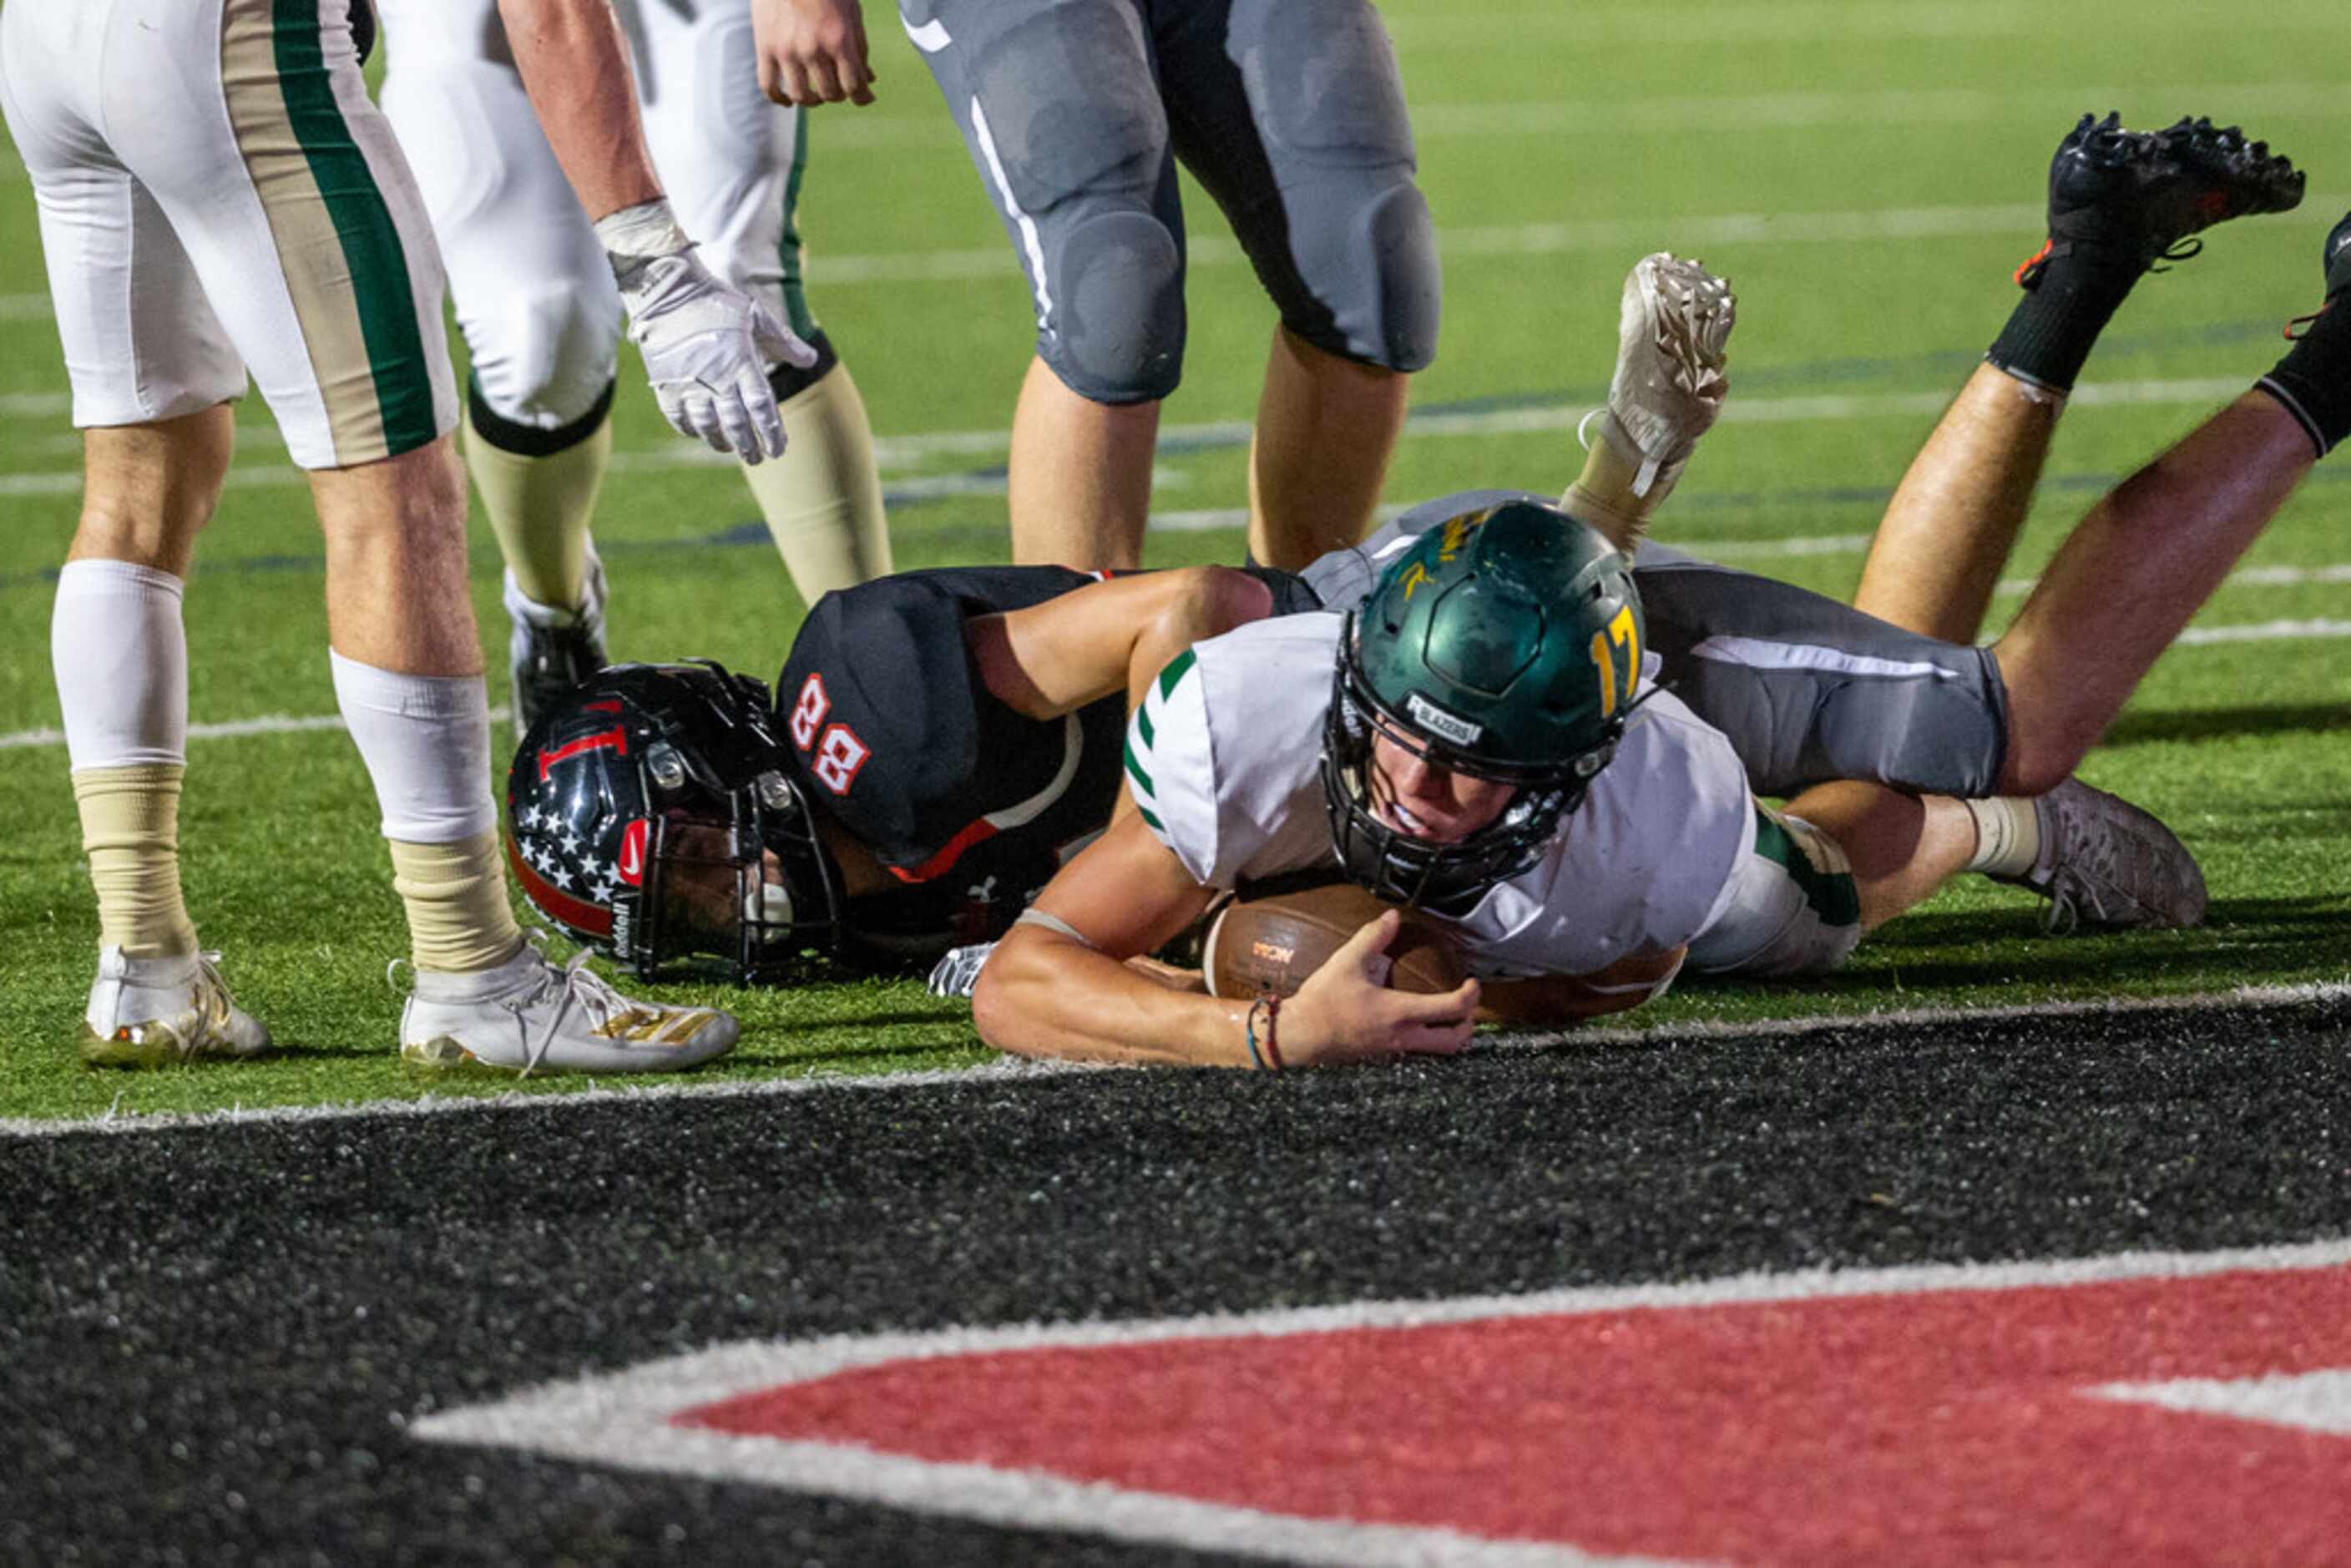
x,y
1369,270
540,359
1115,329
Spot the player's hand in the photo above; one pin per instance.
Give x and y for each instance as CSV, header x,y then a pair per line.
x,y
1344,1011
708,347
812,51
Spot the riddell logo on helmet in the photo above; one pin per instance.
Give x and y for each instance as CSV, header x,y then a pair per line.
x,y
1425,715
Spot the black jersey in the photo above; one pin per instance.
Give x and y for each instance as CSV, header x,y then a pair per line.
x,y
970,805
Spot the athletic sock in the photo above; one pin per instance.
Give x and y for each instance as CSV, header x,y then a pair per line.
x,y
130,831
2313,380
539,489
822,499
2069,297
426,743
459,919
121,654
2007,836
1604,494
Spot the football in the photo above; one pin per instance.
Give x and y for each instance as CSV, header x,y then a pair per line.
x,y
1271,944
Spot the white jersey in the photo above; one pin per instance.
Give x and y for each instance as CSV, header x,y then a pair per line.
x,y
1225,754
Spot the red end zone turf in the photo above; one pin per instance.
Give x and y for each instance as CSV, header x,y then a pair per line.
x,y
1955,1425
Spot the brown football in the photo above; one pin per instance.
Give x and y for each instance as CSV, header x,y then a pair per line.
x,y
1271,944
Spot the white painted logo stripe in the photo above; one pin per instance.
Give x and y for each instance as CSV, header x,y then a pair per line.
x,y
930,38
624,1418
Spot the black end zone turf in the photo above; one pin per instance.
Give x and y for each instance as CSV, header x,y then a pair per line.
x,y
211,1338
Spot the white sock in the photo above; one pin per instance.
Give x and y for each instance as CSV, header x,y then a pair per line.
x,y
426,743
2008,835
121,658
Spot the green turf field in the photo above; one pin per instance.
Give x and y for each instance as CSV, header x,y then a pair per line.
x,y
1866,173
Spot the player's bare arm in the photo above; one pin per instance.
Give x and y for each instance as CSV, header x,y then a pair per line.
x,y
1046,992
1056,657
812,52
576,70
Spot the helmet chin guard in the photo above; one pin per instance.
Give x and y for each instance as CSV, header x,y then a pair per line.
x,y
652,815
1506,646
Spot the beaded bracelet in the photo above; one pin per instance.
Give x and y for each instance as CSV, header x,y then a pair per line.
x,y
1268,1057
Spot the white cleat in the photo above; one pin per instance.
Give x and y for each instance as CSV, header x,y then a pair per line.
x,y
531,1015
1672,331
2105,863
152,1012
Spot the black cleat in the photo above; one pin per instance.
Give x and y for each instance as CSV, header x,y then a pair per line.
x,y
2139,195
550,652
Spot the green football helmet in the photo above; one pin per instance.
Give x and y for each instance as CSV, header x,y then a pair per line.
x,y
1505,645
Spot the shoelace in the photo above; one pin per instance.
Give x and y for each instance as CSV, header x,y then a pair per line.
x,y
590,992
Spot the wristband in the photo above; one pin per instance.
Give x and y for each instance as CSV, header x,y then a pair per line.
x,y
1266,1055
637,236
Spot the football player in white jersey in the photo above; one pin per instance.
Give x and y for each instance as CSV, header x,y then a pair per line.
x,y
1488,750
537,303
219,196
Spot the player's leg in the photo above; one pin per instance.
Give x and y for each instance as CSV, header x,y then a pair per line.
x,y
1318,458
535,299
1318,186
1078,477
151,372
1078,164
2119,202
299,214
1808,689
2145,559
733,164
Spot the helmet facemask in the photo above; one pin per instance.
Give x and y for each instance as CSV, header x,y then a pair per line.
x,y
1504,646
1444,878
653,816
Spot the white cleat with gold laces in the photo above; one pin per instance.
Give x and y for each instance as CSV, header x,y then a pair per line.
x,y
531,1015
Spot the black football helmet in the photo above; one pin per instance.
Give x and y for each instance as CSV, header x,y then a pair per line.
x,y
1506,646
654,816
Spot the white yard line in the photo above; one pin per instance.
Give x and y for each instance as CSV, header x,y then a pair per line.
x,y
1682,114
899,452
1009,1070
1624,234
2312,630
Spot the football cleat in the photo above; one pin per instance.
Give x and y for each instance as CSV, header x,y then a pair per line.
x,y
1672,333
2140,195
2334,258
2104,863
553,651
153,1012
531,1015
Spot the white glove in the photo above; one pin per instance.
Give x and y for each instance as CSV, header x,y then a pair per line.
x,y
1669,383
707,345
